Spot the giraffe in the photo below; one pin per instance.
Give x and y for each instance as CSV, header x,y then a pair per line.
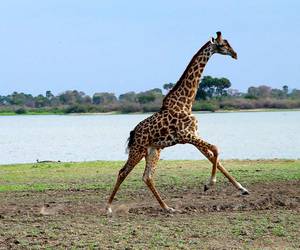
x,y
175,124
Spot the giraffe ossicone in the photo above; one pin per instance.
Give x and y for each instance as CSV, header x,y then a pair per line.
x,y
175,124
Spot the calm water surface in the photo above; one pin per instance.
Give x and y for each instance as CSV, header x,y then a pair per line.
x,y
103,137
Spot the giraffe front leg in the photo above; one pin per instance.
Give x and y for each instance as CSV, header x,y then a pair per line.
x,y
243,190
211,153
151,162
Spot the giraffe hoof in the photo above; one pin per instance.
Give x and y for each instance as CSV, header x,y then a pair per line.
x,y
206,188
244,191
109,211
170,210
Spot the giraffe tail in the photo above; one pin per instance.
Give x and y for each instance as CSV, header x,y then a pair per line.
x,y
130,140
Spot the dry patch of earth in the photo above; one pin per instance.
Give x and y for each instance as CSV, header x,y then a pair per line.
x,y
267,218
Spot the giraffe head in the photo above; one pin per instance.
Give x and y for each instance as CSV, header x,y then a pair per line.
x,y
222,46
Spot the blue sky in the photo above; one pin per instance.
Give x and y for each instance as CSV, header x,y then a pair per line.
x,y
120,46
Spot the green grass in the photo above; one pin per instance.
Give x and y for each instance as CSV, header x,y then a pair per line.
x,y
32,113
101,174
7,113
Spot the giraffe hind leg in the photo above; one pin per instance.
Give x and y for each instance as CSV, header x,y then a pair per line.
x,y
135,156
211,152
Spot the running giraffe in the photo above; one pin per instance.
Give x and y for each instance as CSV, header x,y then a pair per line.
x,y
175,124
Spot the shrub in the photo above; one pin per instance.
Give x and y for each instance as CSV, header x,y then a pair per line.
x,y
205,106
20,111
130,107
238,104
76,109
259,103
152,106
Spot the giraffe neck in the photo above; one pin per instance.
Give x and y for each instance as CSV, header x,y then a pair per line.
x,y
182,95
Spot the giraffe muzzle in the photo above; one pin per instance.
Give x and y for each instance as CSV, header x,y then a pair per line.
x,y
234,55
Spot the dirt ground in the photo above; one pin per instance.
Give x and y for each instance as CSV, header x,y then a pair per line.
x,y
77,219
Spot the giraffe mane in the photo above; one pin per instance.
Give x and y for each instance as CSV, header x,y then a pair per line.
x,y
185,71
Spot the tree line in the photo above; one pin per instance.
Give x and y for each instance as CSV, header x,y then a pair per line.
x,y
213,94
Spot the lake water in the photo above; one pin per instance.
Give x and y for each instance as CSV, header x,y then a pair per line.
x,y
245,135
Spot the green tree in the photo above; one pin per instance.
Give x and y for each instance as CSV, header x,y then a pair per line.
x,y
49,95
168,86
277,94
128,97
261,91
149,96
87,100
104,98
3,100
285,90
71,97
221,86
212,87
295,94
20,99
41,101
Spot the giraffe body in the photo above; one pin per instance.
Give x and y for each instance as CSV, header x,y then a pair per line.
x,y
175,124
164,129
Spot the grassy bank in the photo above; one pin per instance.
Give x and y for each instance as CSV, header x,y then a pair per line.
x,y
101,174
10,113
118,113
62,206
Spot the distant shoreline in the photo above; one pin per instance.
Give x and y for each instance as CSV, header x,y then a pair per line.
x,y
32,113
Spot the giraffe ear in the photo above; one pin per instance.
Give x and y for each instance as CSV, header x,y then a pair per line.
x,y
212,40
